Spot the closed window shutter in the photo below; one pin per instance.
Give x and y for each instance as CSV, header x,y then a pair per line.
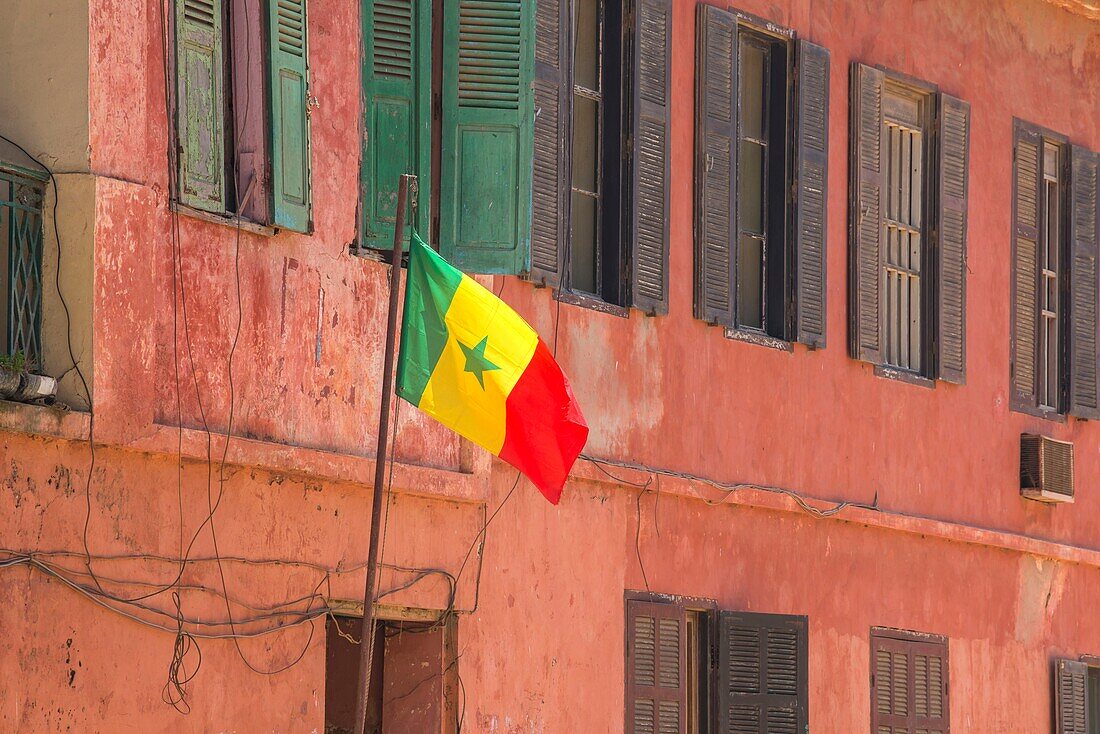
x,y
549,219
908,686
398,122
289,113
762,674
1083,285
1025,265
487,136
200,104
865,214
811,192
954,163
656,696
715,164
1071,697
648,205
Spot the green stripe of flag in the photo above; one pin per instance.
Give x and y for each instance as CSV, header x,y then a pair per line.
x,y
431,287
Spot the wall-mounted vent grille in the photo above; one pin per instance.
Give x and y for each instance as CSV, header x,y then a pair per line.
x,y
1046,469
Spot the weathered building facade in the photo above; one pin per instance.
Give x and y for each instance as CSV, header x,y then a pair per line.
x,y
801,502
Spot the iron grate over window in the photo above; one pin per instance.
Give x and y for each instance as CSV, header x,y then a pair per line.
x,y
21,198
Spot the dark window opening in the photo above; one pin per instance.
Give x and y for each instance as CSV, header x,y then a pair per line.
x,y
1094,700
762,184
410,690
593,252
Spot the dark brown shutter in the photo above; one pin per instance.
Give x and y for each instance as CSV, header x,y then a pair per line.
x,y
1084,288
954,165
865,214
656,696
715,164
811,199
549,221
1025,264
1071,696
650,154
908,686
762,674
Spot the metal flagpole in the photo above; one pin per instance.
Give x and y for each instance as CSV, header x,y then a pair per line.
x,y
366,645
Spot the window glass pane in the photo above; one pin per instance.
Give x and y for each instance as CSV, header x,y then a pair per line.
x,y
585,137
750,283
751,191
586,60
583,250
752,91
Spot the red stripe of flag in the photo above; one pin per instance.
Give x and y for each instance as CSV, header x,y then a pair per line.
x,y
545,431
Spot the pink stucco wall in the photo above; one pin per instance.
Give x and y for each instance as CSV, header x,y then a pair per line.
x,y
955,551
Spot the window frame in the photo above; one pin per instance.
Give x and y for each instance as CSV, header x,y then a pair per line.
x,y
241,209
1046,136
944,117
913,641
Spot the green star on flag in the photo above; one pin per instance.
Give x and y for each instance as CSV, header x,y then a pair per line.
x,y
476,362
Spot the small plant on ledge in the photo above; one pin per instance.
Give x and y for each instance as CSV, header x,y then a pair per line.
x,y
15,363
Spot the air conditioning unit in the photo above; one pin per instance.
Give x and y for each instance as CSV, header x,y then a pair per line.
x,y
1046,469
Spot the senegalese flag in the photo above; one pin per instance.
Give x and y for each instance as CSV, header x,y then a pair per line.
x,y
471,362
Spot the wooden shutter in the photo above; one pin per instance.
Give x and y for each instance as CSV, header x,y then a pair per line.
x,y
1084,287
553,82
251,168
762,674
908,686
715,164
1025,268
289,113
1071,697
648,206
487,135
200,104
954,164
397,88
811,192
656,695
865,214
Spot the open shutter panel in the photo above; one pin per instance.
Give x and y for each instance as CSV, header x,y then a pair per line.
x,y
649,155
289,114
656,697
1071,696
954,164
762,674
398,122
865,215
549,221
811,201
200,104
1025,264
715,164
488,127
1083,284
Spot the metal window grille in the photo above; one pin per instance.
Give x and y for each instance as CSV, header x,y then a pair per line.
x,y
21,195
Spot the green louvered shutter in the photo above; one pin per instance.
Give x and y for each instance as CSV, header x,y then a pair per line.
x,y
487,135
289,113
397,77
200,104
